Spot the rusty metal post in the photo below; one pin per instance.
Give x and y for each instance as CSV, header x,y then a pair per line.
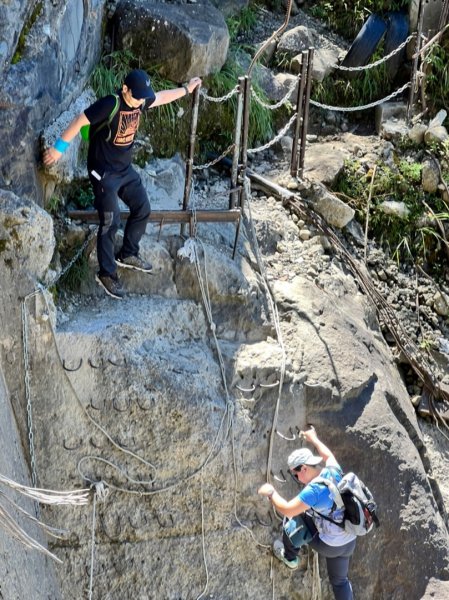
x,y
191,150
411,99
237,138
245,132
305,119
299,115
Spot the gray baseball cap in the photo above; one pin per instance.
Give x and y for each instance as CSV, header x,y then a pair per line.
x,y
302,456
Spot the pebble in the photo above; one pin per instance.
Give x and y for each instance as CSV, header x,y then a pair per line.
x,y
305,234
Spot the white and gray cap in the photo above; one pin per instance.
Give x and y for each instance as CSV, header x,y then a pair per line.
x,y
302,456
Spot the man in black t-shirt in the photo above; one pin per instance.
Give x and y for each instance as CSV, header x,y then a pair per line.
x,y
110,171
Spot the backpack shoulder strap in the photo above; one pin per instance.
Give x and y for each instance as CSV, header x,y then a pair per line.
x,y
331,484
111,116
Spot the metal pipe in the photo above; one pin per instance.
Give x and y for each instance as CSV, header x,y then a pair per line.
x,y
245,133
305,120
299,107
191,150
411,99
237,138
270,39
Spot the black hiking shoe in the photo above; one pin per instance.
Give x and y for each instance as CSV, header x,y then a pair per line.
x,y
134,262
111,285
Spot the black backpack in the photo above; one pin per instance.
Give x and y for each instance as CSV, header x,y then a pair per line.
x,y
360,509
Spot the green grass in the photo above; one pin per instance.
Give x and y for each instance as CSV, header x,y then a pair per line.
x,y
437,81
370,85
411,239
36,13
243,22
346,17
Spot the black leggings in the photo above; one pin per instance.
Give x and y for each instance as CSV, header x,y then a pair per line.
x,y
337,559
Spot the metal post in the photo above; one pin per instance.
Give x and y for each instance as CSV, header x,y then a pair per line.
x,y
299,106
411,99
237,137
244,149
305,120
191,150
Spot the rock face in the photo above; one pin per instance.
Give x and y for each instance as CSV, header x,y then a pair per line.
x,y
61,43
185,40
145,371
22,572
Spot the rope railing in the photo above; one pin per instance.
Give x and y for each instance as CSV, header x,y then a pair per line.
x,y
363,107
377,62
220,99
276,139
281,102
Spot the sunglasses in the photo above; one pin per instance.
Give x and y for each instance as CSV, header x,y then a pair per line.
x,y
297,469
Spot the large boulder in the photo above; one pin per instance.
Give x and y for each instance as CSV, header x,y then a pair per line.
x,y
301,38
182,40
27,240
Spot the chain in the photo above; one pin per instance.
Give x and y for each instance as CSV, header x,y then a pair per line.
x,y
276,139
365,107
281,102
222,98
73,260
215,161
377,62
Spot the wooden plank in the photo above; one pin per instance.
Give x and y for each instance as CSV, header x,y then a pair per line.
x,y
167,216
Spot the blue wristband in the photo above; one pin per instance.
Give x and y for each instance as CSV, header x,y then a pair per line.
x,y
61,145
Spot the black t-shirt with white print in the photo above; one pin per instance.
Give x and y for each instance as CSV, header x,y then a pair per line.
x,y
115,154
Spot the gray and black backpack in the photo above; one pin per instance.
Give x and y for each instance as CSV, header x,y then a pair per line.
x,y
351,494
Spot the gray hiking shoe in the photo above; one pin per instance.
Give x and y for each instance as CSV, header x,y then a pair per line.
x,y
278,551
111,285
134,262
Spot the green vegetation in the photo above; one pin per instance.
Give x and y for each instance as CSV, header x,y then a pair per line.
x,y
416,238
17,57
73,279
370,85
80,194
54,204
244,22
217,121
437,68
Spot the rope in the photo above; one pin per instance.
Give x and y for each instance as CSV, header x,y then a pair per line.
x,y
281,102
102,492
365,106
281,134
203,540
233,92
44,496
9,524
276,322
316,581
380,61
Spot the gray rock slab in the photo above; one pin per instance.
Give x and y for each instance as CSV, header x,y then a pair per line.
x,y
184,40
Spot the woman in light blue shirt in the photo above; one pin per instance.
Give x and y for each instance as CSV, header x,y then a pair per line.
x,y
314,503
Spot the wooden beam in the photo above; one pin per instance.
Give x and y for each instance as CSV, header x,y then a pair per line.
x,y
167,216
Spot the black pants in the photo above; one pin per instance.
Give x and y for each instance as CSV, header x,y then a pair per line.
x,y
337,560
127,186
